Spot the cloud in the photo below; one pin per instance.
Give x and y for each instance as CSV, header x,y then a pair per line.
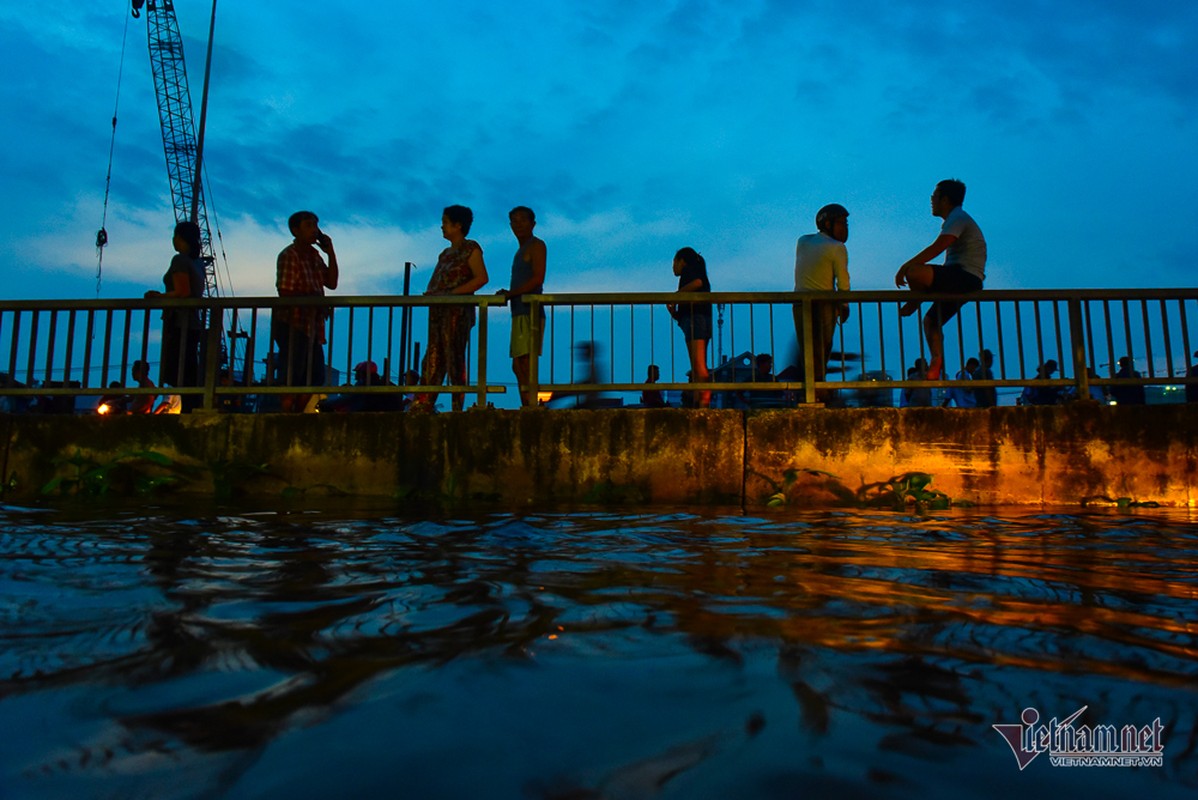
x,y
139,249
632,128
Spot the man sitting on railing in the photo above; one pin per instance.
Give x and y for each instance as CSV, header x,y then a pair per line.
x,y
299,332
963,270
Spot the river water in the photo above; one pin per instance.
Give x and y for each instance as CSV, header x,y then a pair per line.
x,y
161,653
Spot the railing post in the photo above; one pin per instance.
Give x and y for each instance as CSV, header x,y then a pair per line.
x,y
405,316
216,321
482,355
534,352
1077,343
806,308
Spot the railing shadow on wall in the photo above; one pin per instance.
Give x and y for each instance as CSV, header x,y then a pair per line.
x,y
53,352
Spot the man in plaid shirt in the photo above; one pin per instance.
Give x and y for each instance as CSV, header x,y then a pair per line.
x,y
299,333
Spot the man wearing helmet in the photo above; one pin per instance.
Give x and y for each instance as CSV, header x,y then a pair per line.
x,y
963,270
822,265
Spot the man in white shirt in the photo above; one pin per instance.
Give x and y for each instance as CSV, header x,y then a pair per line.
x,y
822,265
963,270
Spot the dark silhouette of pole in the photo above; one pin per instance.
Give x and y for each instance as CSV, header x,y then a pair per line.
x,y
404,326
197,184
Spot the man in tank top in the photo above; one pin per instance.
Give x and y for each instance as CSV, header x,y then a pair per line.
x,y
528,277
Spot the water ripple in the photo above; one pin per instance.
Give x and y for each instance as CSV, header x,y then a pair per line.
x,y
151,641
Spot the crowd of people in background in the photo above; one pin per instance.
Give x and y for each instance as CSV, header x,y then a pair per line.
x,y
821,264
960,392
308,266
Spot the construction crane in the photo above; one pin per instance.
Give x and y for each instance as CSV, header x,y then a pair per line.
x,y
184,152
184,149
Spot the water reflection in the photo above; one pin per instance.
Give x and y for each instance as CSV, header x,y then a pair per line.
x,y
583,655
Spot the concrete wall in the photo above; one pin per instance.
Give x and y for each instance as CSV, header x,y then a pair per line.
x,y
1005,456
1002,456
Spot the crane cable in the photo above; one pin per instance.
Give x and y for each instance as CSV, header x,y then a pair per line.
x,y
220,240
229,342
102,234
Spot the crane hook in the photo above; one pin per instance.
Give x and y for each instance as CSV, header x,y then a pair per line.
x,y
137,4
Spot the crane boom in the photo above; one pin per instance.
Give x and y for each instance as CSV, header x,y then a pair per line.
x,y
178,129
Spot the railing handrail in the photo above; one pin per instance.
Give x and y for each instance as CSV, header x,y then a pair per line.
x,y
267,301
1071,300
857,295
592,298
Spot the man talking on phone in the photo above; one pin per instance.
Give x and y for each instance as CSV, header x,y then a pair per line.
x,y
299,333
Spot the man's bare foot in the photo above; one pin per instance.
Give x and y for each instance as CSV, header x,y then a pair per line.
x,y
909,308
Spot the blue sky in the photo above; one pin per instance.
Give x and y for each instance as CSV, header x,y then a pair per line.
x,y
632,128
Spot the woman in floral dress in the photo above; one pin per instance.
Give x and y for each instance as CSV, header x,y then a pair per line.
x,y
460,270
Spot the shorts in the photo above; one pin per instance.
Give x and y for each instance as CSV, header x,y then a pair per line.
x,y
950,279
522,343
300,361
179,362
695,326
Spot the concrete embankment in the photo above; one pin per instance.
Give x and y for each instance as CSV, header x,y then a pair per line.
x,y
816,457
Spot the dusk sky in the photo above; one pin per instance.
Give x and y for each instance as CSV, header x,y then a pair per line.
x,y
632,128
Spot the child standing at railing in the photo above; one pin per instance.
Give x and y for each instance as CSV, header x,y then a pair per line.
x,y
694,318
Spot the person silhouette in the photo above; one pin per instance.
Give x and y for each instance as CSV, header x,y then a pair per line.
x,y
963,270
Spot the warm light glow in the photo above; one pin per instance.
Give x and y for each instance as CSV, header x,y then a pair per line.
x,y
171,404
544,397
103,408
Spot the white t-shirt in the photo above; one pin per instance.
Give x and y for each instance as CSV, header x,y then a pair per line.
x,y
821,264
969,251
170,404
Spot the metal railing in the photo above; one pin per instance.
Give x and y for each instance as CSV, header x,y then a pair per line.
x,y
56,351
1086,332
66,349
